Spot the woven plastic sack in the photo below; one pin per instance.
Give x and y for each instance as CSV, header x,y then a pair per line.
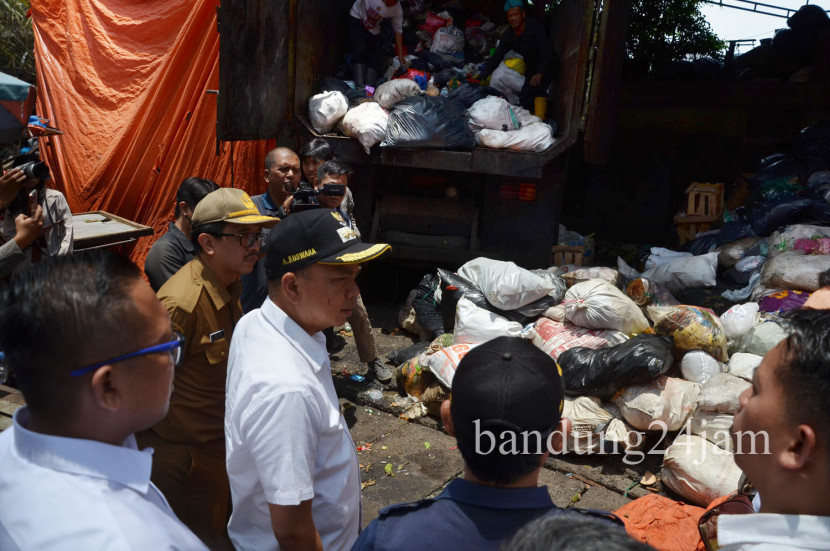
x,y
366,123
665,402
698,367
391,92
596,304
506,285
699,470
761,339
448,41
721,394
492,112
476,325
579,275
714,427
792,270
593,428
786,239
443,363
685,273
534,138
692,327
325,110
554,337
744,364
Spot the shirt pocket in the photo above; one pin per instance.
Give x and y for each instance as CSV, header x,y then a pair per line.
x,y
217,352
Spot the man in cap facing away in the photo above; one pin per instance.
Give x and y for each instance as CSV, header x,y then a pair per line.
x,y
505,413
291,460
203,301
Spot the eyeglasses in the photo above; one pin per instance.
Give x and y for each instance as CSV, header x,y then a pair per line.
x,y
246,239
174,348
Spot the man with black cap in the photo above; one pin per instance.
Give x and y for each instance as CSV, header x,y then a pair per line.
x,y
291,460
505,413
202,299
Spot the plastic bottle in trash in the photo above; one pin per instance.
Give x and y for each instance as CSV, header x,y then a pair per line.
x,y
4,369
445,92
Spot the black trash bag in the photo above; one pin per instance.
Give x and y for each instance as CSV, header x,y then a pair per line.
x,y
442,77
702,245
814,142
801,211
603,372
468,94
402,355
454,286
330,84
428,123
732,231
426,308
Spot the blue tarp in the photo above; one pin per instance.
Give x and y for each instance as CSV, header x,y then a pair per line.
x,y
13,89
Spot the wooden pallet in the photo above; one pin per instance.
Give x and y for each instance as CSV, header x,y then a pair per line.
x,y
10,400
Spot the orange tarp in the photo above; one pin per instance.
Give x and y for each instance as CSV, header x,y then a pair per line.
x,y
128,83
663,523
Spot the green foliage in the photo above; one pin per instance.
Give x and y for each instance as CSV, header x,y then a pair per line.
x,y
17,41
661,31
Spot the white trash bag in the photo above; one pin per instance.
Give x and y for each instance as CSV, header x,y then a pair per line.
x,y
391,92
508,81
596,304
366,123
504,284
699,470
665,402
722,393
325,110
739,320
476,325
685,273
535,137
492,112
698,367
744,364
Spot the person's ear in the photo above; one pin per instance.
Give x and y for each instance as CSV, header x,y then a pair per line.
x,y
556,443
290,287
105,389
184,210
446,417
267,175
208,243
801,450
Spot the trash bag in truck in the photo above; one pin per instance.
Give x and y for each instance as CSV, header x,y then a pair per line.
x,y
428,123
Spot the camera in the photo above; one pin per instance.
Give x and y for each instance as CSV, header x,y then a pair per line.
x,y
304,198
35,169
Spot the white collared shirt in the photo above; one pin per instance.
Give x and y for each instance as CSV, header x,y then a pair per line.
x,y
285,438
768,532
70,493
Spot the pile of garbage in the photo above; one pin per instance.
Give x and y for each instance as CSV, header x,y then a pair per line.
x,y
435,101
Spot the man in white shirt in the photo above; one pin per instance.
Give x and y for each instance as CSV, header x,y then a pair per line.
x,y
365,39
781,436
93,352
291,460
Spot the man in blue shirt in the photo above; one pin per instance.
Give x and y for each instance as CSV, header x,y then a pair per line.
x,y
505,413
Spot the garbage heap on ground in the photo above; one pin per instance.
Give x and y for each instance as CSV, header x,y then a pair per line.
x,y
636,359
435,102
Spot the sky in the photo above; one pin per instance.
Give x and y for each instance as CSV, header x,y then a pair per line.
x,y
732,24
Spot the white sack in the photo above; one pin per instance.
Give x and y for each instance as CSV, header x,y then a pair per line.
x,y
325,110
535,137
791,270
664,402
366,123
685,273
761,339
699,470
594,429
391,92
556,313
784,240
739,320
698,367
721,394
610,275
553,337
492,112
659,256
744,364
476,325
714,427
447,41
443,363
504,284
507,81
596,304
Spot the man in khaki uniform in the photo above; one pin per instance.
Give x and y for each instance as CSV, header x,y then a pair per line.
x,y
203,301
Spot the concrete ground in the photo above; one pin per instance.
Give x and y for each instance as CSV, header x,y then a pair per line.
x,y
424,458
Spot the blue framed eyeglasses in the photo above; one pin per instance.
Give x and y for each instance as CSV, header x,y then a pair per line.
x,y
175,348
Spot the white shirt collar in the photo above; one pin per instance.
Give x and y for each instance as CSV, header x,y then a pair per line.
x,y
807,531
124,464
311,346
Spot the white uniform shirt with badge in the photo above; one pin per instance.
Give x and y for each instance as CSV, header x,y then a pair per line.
x,y
373,12
61,493
286,440
769,532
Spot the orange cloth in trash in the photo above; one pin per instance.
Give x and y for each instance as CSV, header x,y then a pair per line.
x,y
663,523
127,82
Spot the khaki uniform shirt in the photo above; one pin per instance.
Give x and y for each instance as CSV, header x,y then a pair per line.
x,y
205,313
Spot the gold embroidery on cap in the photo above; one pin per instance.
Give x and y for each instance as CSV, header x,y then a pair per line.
x,y
338,217
371,251
241,213
299,256
248,202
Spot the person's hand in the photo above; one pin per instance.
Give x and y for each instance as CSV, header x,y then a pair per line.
x,y
28,228
536,79
10,184
286,206
403,61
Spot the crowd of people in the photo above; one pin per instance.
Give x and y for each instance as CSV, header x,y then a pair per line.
x,y
187,414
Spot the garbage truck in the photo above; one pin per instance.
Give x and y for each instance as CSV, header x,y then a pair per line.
x,y
435,206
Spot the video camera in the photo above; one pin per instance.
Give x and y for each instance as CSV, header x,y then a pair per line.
x,y
304,198
35,169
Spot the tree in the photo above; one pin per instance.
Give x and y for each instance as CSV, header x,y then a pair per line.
x,y
662,31
17,41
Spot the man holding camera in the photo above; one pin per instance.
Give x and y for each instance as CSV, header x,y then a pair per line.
x,y
203,301
282,176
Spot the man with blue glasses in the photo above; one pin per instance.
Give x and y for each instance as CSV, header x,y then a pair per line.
x,y
94,354
203,301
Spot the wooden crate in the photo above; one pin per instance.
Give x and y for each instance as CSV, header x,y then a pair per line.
x,y
689,226
566,254
704,199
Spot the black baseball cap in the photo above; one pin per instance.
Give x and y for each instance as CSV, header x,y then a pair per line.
x,y
507,384
319,236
